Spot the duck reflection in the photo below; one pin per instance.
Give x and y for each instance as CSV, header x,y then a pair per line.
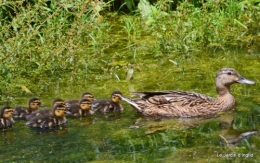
x,y
225,131
228,135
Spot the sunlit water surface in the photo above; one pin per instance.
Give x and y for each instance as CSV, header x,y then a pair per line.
x,y
130,137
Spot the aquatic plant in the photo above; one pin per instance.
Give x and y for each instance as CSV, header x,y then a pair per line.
x,y
68,41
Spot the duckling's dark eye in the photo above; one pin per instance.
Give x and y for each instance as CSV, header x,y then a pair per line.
x,y
229,73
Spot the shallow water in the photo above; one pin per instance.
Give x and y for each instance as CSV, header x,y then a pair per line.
x,y
130,137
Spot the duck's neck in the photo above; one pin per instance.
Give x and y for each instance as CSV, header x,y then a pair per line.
x,y
225,98
222,90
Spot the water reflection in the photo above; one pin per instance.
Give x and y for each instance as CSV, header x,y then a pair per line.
x,y
58,130
7,136
130,137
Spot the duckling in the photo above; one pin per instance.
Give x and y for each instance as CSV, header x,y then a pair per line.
x,y
6,115
21,111
189,104
55,102
109,105
48,118
86,95
81,109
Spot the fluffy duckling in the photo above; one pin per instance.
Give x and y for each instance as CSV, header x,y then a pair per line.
x,y
57,101
48,118
6,117
80,109
109,105
86,95
22,111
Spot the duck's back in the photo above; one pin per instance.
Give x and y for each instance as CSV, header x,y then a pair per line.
x,y
174,103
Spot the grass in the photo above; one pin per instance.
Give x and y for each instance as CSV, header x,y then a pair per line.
x,y
74,39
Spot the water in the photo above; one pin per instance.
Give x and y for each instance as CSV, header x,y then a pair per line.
x,y
130,137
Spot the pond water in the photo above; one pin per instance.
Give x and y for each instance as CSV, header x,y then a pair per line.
x,y
130,137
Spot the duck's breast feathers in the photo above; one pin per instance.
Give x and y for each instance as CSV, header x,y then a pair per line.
x,y
167,97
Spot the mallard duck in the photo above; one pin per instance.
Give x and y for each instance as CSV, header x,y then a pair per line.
x,y
22,111
80,109
109,105
48,118
189,104
86,95
57,101
6,117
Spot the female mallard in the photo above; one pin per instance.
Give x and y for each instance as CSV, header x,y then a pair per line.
x,y
48,117
189,104
109,105
22,111
86,95
6,115
80,109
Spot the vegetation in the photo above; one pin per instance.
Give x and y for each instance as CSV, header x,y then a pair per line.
x,y
69,39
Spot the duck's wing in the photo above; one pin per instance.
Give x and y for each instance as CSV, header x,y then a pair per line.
x,y
41,118
101,106
37,113
74,110
4,123
20,111
167,97
172,103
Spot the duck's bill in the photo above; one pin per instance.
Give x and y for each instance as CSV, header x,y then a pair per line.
x,y
243,80
42,104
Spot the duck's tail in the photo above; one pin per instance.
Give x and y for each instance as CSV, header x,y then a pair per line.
x,y
132,102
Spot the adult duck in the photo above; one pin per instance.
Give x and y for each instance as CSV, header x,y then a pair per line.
x,y
189,104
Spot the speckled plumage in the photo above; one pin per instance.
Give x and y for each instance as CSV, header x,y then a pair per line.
x,y
6,122
85,95
189,104
46,118
23,111
82,108
108,105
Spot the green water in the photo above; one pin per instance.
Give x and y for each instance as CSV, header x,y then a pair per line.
x,y
109,137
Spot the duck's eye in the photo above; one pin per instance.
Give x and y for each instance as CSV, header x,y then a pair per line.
x,y
229,73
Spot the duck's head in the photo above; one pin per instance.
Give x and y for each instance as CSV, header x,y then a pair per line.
x,y
57,101
85,104
228,76
34,103
59,111
116,96
7,112
87,95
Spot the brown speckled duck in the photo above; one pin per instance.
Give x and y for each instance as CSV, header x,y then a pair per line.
x,y
80,109
22,111
6,117
109,105
56,101
189,104
48,118
86,95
